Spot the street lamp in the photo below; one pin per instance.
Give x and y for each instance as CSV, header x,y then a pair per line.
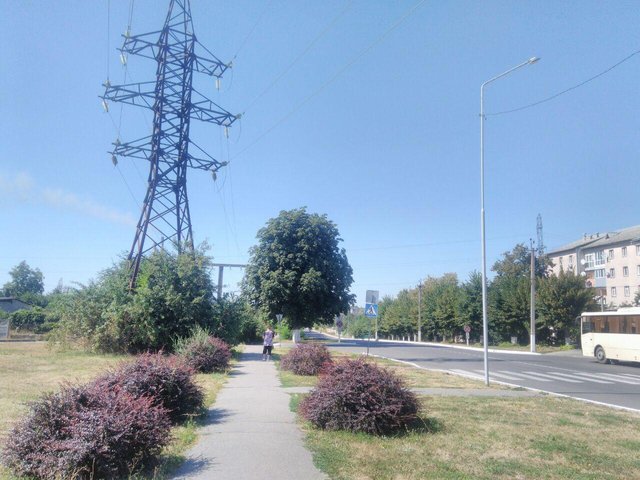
x,y
419,311
485,323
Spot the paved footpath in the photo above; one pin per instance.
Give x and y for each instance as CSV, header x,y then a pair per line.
x,y
250,432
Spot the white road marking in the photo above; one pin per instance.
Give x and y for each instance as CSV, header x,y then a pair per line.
x,y
552,377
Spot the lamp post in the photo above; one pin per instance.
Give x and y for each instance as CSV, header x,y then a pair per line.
x,y
420,311
485,323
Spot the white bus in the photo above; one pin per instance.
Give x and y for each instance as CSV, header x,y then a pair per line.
x,y
612,336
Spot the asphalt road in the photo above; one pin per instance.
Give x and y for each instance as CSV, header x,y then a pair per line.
x,y
570,374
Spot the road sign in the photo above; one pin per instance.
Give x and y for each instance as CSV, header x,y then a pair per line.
x,y
371,310
372,297
467,328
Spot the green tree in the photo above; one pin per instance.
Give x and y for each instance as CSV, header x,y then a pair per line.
x,y
517,263
509,293
470,304
445,312
298,269
25,282
399,316
174,293
358,326
560,300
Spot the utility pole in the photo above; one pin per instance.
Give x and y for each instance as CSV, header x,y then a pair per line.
x,y
533,298
221,273
419,311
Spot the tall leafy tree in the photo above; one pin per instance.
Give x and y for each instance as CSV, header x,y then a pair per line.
x,y
470,303
25,281
298,269
399,316
560,300
509,293
445,312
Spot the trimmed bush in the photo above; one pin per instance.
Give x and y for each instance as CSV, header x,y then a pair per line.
x,y
87,431
167,380
306,359
203,352
358,396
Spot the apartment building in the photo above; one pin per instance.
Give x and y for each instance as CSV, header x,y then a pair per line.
x,y
609,263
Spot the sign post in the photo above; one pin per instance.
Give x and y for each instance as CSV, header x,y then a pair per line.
x,y
467,329
371,311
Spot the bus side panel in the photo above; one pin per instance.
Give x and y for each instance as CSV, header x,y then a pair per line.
x,y
587,344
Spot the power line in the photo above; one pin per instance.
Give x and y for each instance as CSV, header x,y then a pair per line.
x,y
343,69
246,39
628,57
431,244
301,54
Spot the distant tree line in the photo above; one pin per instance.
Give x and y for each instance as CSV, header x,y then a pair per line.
x,y
174,294
448,305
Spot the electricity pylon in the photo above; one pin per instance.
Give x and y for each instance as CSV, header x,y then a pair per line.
x,y
165,213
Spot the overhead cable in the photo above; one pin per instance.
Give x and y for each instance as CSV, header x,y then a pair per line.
x,y
338,73
628,57
301,54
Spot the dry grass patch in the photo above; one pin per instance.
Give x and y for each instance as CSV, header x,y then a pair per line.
x,y
486,438
30,369
489,438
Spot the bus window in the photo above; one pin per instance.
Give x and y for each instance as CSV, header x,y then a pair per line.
x,y
587,325
614,325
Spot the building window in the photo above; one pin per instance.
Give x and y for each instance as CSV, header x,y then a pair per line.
x,y
614,292
612,273
625,271
624,251
589,260
610,256
627,292
599,258
570,261
638,270
560,260
637,249
599,273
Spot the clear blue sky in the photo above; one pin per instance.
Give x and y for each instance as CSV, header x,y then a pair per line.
x,y
377,128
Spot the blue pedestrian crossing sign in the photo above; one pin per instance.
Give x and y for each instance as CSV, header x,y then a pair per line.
x,y
371,310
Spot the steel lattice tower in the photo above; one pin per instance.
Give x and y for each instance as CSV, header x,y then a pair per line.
x,y
174,102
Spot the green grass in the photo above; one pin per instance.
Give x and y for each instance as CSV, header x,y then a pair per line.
x,y
30,369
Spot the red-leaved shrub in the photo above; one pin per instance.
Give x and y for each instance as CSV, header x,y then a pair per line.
x,y
167,380
205,353
87,431
306,359
359,396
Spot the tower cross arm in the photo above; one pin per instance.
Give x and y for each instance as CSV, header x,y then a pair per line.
x,y
208,111
205,164
132,94
145,45
208,63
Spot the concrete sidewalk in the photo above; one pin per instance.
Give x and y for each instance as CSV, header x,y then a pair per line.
x,y
250,432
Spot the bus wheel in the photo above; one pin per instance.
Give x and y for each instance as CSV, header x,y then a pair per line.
x,y
601,357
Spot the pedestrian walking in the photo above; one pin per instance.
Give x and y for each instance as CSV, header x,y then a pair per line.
x,y
267,343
